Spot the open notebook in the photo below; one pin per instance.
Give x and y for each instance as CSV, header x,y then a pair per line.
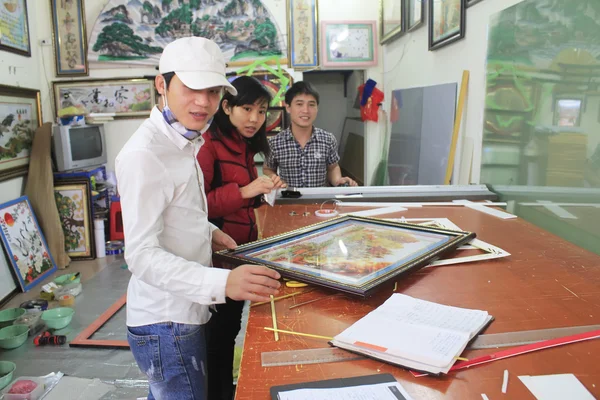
x,y
414,333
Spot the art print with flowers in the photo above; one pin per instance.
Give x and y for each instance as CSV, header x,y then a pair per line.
x,y
24,242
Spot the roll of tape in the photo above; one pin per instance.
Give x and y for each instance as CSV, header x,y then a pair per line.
x,y
326,213
66,300
39,304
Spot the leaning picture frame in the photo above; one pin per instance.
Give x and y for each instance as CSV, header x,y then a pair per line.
x,y
347,44
25,244
14,28
447,22
121,98
20,117
303,34
74,203
69,37
351,254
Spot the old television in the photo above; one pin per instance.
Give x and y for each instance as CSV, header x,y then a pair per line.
x,y
77,147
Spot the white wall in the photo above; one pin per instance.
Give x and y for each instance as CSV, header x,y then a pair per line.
x,y
408,63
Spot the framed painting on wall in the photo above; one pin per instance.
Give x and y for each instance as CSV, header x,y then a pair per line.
x,y
472,2
73,200
123,97
24,242
391,20
348,44
20,116
350,254
14,27
446,22
303,34
567,111
70,43
415,11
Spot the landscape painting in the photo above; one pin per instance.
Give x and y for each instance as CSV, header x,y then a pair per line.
x,y
135,31
74,209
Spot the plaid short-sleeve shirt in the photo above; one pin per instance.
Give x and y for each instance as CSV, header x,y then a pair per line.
x,y
303,167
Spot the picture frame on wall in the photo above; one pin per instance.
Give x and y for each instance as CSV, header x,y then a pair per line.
x,y
25,244
125,98
351,254
415,14
346,44
20,117
303,34
447,22
277,120
74,202
473,2
69,37
391,20
567,111
14,27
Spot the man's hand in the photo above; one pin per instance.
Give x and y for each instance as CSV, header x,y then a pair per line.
x,y
252,282
347,180
222,241
277,182
260,185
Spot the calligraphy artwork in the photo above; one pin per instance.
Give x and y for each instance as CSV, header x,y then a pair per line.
x,y
70,47
303,42
14,27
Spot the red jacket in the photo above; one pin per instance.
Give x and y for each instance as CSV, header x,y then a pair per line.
x,y
228,165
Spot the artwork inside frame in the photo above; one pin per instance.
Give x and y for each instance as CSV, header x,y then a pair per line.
x,y
14,27
303,34
73,200
20,116
567,111
447,22
277,120
69,34
415,14
126,98
350,254
24,242
348,44
391,20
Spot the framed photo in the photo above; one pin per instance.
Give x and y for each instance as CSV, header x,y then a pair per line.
x,y
277,120
73,200
351,254
70,43
25,243
567,111
14,27
303,34
391,20
415,12
446,22
123,97
20,116
348,44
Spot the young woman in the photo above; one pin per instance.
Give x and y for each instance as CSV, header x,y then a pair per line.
x,y
233,190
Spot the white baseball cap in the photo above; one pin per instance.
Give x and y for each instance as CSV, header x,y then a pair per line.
x,y
197,61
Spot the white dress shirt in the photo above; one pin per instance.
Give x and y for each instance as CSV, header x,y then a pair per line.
x,y
167,233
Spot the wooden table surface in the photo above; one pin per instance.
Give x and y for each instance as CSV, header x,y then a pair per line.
x,y
545,283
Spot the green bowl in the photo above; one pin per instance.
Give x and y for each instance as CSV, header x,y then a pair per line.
x,y
66,279
13,336
58,318
8,316
6,372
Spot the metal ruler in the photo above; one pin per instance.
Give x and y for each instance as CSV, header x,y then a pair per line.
x,y
491,341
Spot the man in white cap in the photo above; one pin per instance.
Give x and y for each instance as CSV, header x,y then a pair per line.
x,y
167,234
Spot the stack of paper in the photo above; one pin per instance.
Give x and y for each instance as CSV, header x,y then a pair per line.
x,y
414,333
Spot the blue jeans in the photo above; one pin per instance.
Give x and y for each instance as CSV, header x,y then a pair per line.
x,y
173,356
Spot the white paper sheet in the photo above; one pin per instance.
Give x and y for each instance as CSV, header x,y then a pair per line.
x,y
556,387
379,391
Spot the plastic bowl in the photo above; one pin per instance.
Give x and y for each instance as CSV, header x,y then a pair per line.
x,y
8,316
6,372
13,336
66,279
58,318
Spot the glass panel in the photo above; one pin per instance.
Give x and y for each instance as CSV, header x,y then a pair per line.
x,y
541,132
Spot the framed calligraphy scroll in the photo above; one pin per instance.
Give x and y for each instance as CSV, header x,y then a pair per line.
x,y
303,34
70,45
14,27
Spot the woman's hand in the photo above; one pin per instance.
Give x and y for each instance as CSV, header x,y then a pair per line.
x,y
260,185
278,183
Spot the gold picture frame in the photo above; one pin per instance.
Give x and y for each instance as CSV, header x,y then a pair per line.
x,y
69,37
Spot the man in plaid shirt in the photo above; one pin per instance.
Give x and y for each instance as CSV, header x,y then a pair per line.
x,y
306,156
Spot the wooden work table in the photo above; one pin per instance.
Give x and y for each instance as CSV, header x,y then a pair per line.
x,y
546,283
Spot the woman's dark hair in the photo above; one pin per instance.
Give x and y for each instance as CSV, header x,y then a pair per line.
x,y
249,91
